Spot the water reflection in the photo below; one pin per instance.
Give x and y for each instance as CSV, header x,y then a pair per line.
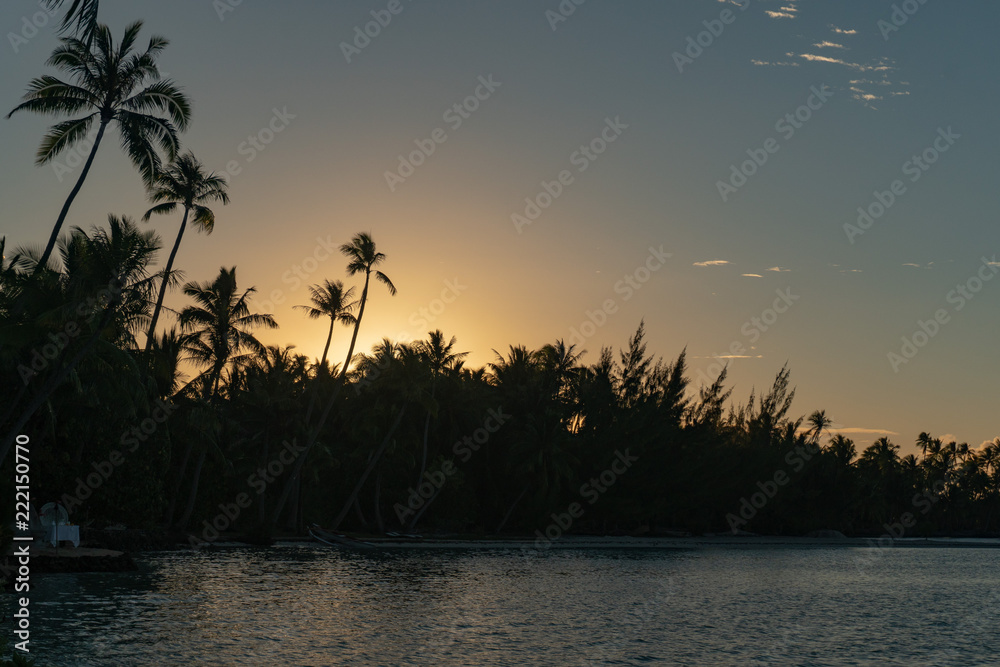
x,y
299,605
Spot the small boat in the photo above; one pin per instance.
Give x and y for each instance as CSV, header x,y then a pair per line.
x,y
337,540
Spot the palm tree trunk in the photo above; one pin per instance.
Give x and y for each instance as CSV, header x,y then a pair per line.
x,y
360,514
177,485
294,519
300,461
510,510
69,200
427,426
378,498
423,458
12,404
326,348
371,466
166,279
357,325
193,495
416,517
210,394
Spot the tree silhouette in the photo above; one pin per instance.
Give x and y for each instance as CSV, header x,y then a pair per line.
x,y
330,300
107,84
184,183
363,257
219,328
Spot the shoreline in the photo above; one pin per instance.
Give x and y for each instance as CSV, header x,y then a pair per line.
x,y
642,543
48,560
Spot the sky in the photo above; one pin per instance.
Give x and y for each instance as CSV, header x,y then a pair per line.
x,y
537,170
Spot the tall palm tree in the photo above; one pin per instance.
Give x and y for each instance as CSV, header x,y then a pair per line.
x,y
330,300
183,183
219,336
363,257
107,84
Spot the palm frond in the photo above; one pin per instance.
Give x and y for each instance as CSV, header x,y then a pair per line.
x,y
203,218
382,278
81,17
164,96
160,209
62,136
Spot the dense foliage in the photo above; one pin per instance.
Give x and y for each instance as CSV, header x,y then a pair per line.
x,y
405,436
411,437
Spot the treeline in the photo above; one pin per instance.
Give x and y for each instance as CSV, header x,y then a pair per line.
x,y
409,438
402,437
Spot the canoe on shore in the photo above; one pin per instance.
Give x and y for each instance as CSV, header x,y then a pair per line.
x,y
337,540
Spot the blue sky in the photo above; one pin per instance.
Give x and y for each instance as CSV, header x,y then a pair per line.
x,y
464,265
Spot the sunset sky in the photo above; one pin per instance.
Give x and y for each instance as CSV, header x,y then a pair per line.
x,y
641,125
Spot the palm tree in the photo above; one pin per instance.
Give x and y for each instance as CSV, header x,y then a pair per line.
x,y
561,363
818,422
183,183
119,257
219,326
883,455
403,383
107,83
219,336
439,357
561,359
330,300
165,363
843,450
363,258
991,456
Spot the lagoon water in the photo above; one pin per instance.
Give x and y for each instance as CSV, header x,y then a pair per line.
x,y
302,605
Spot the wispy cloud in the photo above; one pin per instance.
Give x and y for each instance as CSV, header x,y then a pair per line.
x,y
879,66
774,63
865,431
833,38
752,275
712,262
778,269
732,356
